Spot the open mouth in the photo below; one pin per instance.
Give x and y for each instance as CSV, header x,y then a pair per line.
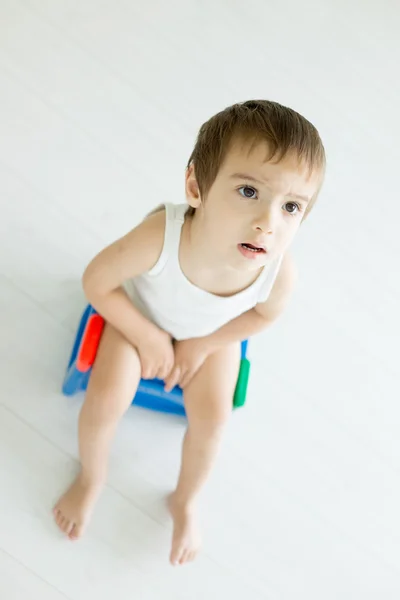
x,y
252,248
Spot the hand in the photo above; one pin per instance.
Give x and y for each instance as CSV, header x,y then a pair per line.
x,y
189,357
156,354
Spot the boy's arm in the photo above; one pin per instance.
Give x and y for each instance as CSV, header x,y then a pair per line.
x,y
262,315
133,254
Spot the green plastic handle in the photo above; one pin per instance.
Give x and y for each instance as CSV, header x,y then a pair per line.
x,y
239,397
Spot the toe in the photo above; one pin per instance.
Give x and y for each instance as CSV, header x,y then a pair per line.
x,y
59,519
66,526
75,531
176,554
185,557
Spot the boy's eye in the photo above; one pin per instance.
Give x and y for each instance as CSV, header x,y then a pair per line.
x,y
247,192
292,208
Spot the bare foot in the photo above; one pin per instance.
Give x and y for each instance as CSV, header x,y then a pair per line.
x,y
73,510
186,538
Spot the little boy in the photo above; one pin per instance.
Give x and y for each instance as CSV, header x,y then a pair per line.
x,y
182,289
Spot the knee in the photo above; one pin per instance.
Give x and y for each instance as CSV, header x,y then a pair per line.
x,y
100,407
211,425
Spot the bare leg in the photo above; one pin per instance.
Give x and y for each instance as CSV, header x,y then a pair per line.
x,y
112,384
208,402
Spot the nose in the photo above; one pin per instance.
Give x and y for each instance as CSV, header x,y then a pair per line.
x,y
265,222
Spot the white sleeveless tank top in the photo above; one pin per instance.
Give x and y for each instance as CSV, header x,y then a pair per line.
x,y
165,296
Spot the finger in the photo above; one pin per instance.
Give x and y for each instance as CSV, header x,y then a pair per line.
x,y
149,371
164,371
181,377
172,379
158,372
186,378
146,371
147,375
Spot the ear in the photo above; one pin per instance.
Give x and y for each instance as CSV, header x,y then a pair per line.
x,y
191,187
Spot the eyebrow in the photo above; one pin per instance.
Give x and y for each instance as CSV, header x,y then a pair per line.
x,y
251,178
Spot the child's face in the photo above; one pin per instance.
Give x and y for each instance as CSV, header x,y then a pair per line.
x,y
254,207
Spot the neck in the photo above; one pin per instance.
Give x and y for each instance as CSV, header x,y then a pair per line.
x,y
202,255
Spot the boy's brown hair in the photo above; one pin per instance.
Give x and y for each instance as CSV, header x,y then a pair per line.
x,y
283,129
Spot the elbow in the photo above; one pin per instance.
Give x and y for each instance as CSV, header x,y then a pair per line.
x,y
264,316
87,290
90,289
95,286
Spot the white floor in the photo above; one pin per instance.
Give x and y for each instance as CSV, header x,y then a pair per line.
x,y
100,102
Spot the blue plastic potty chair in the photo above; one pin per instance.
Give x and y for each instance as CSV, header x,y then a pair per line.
x,y
150,393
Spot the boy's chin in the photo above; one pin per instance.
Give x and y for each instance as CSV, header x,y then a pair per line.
x,y
247,266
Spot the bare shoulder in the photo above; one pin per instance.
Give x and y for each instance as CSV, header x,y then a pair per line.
x,y
144,243
282,289
131,255
150,232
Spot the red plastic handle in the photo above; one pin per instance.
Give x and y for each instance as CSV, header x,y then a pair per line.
x,y
90,343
